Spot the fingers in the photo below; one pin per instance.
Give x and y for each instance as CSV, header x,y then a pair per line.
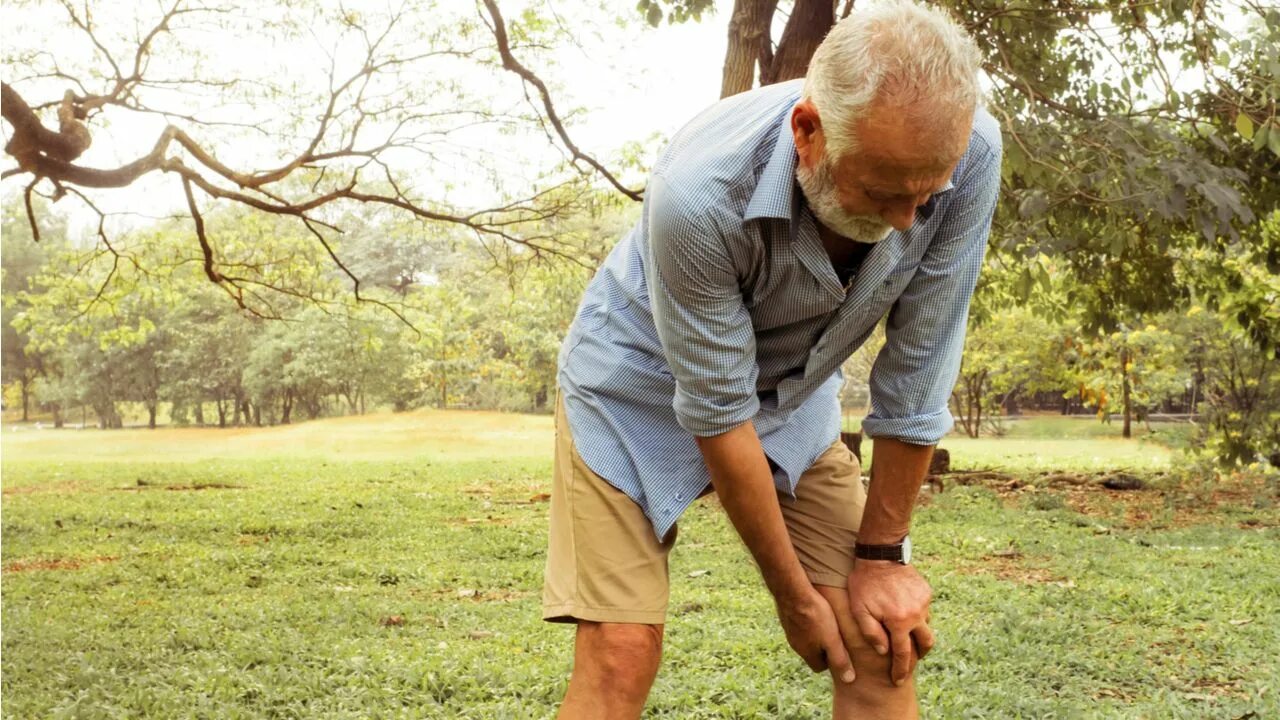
x,y
817,661
924,639
838,658
902,656
873,631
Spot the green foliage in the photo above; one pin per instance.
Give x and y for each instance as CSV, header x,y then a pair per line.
x,y
1131,370
1240,388
678,11
458,323
1014,351
21,364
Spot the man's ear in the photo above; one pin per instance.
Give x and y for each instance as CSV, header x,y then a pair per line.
x,y
806,127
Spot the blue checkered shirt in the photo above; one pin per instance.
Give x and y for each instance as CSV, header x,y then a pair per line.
x,y
721,306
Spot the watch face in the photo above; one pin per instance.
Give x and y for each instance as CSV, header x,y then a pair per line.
x,y
906,550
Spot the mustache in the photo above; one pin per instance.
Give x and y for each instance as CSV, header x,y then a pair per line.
x,y
819,188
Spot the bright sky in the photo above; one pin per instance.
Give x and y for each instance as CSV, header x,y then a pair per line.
x,y
629,81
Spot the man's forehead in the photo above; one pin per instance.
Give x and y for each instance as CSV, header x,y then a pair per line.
x,y
896,144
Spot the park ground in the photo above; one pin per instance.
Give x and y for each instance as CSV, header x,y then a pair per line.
x,y
389,566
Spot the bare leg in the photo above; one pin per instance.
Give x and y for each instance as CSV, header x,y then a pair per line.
x,y
614,665
873,695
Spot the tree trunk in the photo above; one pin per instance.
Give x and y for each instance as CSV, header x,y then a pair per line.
x,y
221,405
809,22
977,403
26,396
1128,404
312,404
257,414
108,417
200,412
287,407
151,416
749,43
57,416
245,410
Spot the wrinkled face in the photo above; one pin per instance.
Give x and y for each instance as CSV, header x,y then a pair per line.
x,y
876,188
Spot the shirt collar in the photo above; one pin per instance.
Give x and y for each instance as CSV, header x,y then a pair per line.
x,y
926,210
776,190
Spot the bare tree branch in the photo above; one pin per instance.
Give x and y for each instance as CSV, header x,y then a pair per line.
x,y
510,62
31,214
364,115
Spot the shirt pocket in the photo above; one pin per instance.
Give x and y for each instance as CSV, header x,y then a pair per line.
x,y
895,283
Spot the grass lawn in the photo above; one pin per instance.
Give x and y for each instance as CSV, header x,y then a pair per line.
x,y
389,567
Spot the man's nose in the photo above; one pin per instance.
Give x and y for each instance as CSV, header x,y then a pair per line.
x,y
900,215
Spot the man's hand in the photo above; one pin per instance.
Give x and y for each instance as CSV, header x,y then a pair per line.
x,y
740,474
812,632
890,604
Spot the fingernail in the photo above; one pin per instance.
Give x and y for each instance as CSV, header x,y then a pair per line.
x,y
848,676
881,649
897,682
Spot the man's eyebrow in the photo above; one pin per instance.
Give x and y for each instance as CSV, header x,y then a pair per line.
x,y
897,192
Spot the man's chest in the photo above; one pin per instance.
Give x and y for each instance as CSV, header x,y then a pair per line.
x,y
806,319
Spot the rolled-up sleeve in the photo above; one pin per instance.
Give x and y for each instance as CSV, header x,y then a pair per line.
x,y
702,322
915,372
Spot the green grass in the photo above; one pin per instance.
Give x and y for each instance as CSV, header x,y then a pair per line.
x,y
1061,443
133,587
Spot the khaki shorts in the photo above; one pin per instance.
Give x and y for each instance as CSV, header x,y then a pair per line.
x,y
605,564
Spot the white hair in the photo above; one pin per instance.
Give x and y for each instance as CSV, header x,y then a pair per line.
x,y
896,51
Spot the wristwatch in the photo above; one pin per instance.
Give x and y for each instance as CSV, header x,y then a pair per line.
x,y
899,552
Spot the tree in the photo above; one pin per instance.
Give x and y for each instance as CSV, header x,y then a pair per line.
x,y
1133,369
1231,333
1014,351
21,365
390,83
448,351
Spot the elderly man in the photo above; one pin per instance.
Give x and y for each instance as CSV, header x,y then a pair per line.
x,y
779,226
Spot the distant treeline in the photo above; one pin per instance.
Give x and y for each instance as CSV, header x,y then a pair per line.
x,y
456,327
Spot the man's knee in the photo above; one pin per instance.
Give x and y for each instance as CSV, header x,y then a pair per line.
x,y
623,657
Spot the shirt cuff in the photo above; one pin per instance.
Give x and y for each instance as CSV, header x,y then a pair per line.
x,y
704,419
916,429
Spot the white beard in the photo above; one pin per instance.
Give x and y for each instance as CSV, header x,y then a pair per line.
x,y
819,189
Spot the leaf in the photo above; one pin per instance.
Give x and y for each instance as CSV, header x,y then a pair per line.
x,y
654,15
1033,205
1273,141
1260,137
1244,126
